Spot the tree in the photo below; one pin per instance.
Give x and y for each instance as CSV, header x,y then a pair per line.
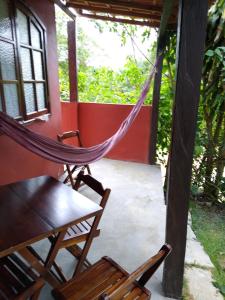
x,y
83,52
210,145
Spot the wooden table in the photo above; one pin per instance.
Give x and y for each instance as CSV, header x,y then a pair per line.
x,y
36,208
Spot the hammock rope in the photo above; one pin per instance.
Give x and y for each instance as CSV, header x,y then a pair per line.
x,y
66,154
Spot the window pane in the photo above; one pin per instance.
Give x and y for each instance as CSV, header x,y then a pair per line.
x,y
29,97
35,37
11,99
7,61
26,64
40,96
38,66
23,27
5,23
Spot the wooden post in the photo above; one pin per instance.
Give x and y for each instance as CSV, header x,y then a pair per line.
x,y
155,111
162,38
192,23
72,60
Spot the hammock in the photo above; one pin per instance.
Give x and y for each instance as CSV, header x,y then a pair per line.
x,y
65,154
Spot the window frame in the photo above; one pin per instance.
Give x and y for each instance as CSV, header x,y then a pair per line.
x,y
32,18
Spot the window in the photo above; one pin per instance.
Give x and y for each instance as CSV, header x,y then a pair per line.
x,y
23,78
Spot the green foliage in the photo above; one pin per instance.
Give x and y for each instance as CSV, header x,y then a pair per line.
x,y
84,46
166,101
103,85
209,163
209,227
61,30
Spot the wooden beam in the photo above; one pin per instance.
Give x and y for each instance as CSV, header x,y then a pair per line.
x,y
190,50
65,9
119,20
124,4
167,10
144,15
155,111
72,60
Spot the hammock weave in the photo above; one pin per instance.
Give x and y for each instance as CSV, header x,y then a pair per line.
x,y
65,154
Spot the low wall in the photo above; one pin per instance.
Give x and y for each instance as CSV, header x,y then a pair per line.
x,y
98,122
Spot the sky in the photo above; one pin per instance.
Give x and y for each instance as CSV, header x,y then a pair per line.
x,y
109,52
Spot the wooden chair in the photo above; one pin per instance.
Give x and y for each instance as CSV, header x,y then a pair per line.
x,y
106,280
70,170
86,230
17,280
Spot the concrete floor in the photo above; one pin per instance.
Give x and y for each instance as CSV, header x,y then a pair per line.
x,y
133,224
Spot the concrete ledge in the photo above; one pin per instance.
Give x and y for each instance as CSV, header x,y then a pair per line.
x,y
200,284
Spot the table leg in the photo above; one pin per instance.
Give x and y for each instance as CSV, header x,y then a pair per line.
x,y
55,246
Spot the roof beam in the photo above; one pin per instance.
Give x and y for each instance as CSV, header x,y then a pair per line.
x,y
110,10
119,20
125,4
65,9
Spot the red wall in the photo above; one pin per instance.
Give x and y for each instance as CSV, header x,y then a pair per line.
x,y
97,122
69,116
15,162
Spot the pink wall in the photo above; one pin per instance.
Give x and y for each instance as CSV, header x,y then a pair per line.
x,y
15,162
97,122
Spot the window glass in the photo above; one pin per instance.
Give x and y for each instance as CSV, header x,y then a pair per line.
x,y
11,99
22,62
35,37
29,97
22,27
26,63
5,22
7,61
40,96
38,66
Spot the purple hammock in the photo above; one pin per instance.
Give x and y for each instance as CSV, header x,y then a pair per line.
x,y
65,154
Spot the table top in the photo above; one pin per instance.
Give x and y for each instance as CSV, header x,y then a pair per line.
x,y
33,209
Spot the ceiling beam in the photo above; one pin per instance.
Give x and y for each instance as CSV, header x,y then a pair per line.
x,y
125,4
146,15
65,9
119,20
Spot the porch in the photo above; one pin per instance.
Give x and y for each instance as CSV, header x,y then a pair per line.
x,y
150,230
133,223
133,226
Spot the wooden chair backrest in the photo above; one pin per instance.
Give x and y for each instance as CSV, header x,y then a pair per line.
x,y
69,135
94,184
145,272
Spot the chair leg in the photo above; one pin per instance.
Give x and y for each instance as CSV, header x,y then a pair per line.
x,y
76,251
88,169
87,245
59,272
70,175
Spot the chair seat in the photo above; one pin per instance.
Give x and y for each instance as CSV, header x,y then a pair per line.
x,y
104,276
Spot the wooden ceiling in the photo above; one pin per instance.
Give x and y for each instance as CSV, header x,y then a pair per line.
x,y
139,12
